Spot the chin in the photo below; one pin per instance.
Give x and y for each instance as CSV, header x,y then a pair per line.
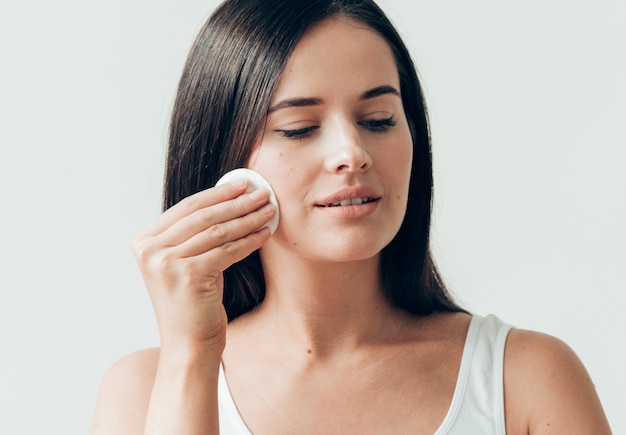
x,y
332,246
347,252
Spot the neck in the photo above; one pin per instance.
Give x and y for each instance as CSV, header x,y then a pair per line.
x,y
323,308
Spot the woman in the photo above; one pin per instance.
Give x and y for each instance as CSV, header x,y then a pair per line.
x,y
338,322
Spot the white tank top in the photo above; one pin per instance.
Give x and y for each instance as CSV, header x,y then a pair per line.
x,y
477,406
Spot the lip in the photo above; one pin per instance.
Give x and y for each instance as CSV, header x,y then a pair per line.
x,y
349,193
350,211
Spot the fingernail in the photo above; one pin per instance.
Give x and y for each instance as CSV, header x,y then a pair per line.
x,y
258,194
266,209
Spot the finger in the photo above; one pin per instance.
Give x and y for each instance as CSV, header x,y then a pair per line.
x,y
213,217
229,253
193,203
226,232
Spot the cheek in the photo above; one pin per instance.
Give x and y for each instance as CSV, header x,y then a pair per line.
x,y
279,169
398,160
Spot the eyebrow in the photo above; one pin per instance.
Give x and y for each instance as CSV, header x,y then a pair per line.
x,y
295,102
306,102
378,91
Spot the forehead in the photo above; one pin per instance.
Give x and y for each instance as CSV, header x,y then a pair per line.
x,y
338,54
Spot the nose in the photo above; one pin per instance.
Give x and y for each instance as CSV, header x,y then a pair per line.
x,y
346,151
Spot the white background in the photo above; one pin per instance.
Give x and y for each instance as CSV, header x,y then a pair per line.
x,y
528,108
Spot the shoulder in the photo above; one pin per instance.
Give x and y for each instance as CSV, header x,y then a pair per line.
x,y
547,389
125,393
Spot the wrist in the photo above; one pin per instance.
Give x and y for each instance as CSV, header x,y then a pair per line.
x,y
191,356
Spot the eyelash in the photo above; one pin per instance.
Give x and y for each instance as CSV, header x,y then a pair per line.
x,y
373,125
301,133
379,125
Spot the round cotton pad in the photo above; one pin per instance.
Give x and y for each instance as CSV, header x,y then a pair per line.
x,y
255,182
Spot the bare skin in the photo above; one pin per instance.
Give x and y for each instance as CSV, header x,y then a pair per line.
x,y
547,390
186,294
325,352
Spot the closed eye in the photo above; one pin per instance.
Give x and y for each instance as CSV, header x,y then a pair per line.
x,y
373,125
299,133
378,125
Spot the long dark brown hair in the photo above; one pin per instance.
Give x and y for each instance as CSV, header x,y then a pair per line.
x,y
222,101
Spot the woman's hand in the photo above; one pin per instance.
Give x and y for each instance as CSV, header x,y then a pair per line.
x,y
182,256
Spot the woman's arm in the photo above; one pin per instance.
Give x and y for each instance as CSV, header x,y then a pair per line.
x,y
547,389
184,396
147,393
182,256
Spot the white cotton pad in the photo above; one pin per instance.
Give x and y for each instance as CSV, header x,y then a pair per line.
x,y
255,182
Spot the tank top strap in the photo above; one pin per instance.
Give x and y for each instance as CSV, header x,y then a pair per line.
x,y
477,405
230,420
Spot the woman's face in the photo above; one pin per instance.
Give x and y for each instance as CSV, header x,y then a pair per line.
x,y
336,147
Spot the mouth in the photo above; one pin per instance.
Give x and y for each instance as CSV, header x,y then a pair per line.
x,y
350,201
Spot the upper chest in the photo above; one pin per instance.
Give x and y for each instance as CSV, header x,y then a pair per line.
x,y
381,392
